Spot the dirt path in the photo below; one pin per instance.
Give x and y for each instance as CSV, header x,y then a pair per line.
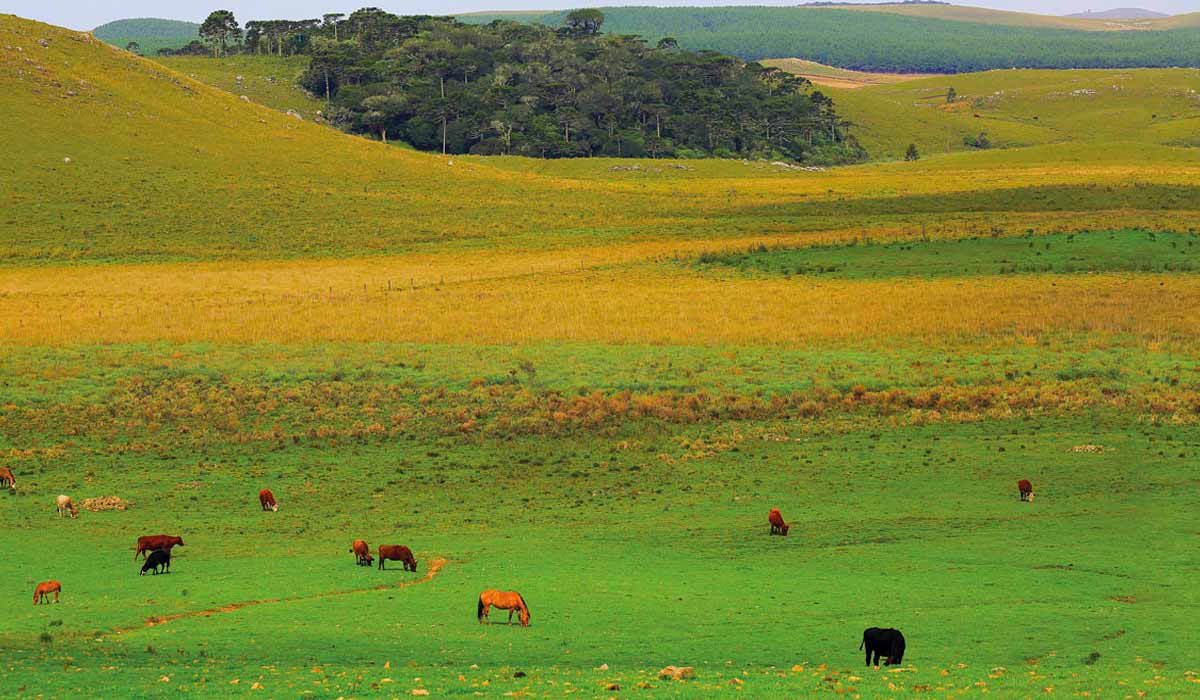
x,y
434,567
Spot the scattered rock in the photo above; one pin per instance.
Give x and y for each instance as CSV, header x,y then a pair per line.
x,y
420,691
677,673
612,686
67,159
244,98
602,667
105,503
1094,449
294,113
239,79
519,674
43,43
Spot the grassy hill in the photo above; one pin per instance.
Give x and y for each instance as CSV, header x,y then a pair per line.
x,y
983,15
1024,108
912,39
151,34
266,80
588,381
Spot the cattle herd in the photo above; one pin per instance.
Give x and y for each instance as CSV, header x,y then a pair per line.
x,y
887,644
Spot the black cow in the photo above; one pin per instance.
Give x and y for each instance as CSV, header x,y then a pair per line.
x,y
888,643
158,559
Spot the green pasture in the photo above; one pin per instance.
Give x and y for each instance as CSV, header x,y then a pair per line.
x,y
637,544
1094,251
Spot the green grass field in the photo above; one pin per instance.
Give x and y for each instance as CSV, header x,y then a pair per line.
x,y
1125,251
638,542
589,382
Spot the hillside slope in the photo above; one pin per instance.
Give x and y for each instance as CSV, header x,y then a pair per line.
x,y
1088,22
169,167
1025,108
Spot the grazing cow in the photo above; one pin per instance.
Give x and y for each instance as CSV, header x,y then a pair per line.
x,y
1026,489
7,480
149,543
158,559
362,553
888,643
397,552
66,506
778,527
267,500
43,591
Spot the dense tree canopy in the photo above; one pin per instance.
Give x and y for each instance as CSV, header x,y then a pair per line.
x,y
507,88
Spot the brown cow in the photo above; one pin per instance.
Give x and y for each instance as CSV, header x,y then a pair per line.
x,y
362,553
778,527
397,552
7,480
149,543
1026,489
267,500
43,591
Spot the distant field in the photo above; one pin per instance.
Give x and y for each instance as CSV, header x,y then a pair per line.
x,y
1024,108
914,39
829,76
982,15
150,34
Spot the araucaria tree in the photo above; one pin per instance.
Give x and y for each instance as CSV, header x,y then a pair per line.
x,y
508,88
220,30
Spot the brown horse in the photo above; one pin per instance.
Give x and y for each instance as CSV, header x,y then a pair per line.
x,y
504,600
7,480
43,591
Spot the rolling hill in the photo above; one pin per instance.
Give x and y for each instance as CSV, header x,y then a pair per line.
x,y
1120,13
901,38
151,34
1025,108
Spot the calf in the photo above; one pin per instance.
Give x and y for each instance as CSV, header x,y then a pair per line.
x,y
158,559
66,506
43,591
888,643
1026,489
267,500
397,552
7,480
362,553
149,543
778,527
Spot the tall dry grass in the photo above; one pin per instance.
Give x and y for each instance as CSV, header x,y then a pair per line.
x,y
565,297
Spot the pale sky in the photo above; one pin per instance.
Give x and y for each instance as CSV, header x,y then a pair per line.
x,y
86,14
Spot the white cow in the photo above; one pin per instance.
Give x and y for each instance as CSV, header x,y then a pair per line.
x,y
65,506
